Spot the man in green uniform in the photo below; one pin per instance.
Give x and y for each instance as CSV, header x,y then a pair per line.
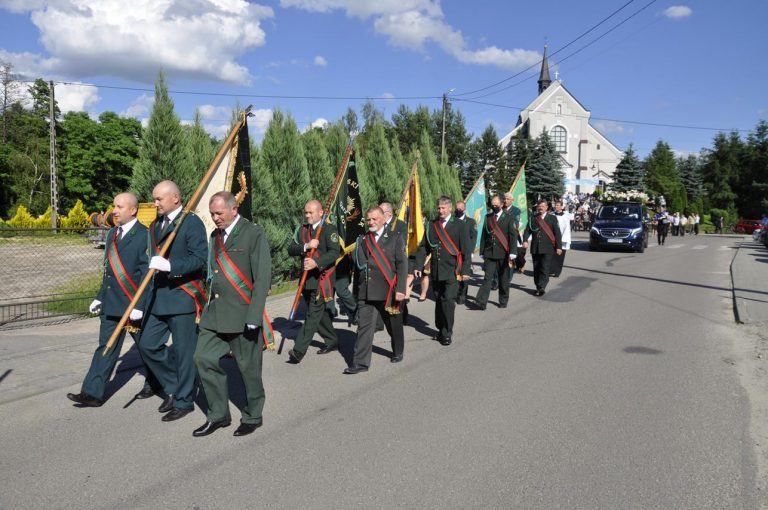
x,y
543,231
498,246
318,259
461,215
447,240
239,272
125,265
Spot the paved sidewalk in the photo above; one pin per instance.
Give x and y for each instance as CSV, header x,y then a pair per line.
x,y
749,274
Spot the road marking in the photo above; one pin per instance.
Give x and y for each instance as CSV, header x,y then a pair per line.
x,y
699,247
723,248
676,246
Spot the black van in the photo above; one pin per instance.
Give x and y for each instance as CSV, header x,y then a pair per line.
x,y
620,225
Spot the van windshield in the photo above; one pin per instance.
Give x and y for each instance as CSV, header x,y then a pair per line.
x,y
613,212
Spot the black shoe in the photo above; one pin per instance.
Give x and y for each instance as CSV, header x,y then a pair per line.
x,y
176,413
85,400
502,305
211,427
460,301
494,286
396,359
145,393
295,357
167,404
328,348
355,369
446,340
246,428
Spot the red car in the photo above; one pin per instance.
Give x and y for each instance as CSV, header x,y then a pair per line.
x,y
747,226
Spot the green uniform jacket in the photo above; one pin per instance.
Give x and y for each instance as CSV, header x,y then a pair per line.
x,y
227,311
132,249
539,242
328,250
472,229
400,227
490,247
370,281
443,265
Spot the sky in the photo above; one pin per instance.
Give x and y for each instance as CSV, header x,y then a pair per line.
x,y
639,66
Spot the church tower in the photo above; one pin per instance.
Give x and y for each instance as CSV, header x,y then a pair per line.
x,y
544,80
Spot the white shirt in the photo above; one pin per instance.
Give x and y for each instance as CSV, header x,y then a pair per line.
x,y
564,220
228,230
445,221
378,233
128,226
314,226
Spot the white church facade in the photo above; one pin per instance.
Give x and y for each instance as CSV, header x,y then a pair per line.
x,y
588,159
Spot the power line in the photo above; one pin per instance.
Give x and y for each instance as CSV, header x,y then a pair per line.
x,y
637,122
570,55
552,54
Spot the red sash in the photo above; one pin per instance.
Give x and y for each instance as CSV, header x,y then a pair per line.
x,y
324,282
121,275
375,253
449,246
235,277
544,226
497,233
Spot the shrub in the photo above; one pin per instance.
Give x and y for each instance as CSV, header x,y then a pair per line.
x,y
22,219
77,217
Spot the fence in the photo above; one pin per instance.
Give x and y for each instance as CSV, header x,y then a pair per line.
x,y
48,275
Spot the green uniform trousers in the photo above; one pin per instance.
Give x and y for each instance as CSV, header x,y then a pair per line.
x,y
247,348
318,320
445,305
497,269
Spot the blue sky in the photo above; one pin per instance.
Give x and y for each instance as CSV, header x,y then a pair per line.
x,y
695,63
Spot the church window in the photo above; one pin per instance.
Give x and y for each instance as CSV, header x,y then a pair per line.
x,y
598,146
559,138
559,109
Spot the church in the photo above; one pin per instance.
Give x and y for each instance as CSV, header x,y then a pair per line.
x,y
588,159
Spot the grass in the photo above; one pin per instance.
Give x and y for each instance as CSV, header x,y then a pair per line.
x,y
284,287
74,296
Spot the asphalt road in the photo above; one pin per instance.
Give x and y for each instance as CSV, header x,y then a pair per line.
x,y
617,389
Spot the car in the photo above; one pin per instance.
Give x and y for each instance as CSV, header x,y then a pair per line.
x,y
620,225
746,226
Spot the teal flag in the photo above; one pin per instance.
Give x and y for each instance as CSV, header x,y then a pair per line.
x,y
477,206
519,201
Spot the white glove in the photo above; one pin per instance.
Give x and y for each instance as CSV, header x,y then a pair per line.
x,y
136,315
251,327
95,306
160,264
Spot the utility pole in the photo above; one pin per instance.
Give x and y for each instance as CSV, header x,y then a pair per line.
x,y
54,188
446,110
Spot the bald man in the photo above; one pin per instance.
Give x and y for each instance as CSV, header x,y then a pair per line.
x,y
318,255
177,299
125,265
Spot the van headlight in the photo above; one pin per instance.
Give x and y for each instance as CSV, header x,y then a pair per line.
x,y
595,230
635,231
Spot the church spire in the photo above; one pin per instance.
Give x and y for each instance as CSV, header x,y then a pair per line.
x,y
544,80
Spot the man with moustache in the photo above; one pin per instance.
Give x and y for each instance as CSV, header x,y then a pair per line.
x,y
176,301
447,240
125,265
240,271
498,246
543,231
381,270
318,259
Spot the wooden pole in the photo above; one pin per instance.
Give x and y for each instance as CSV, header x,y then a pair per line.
x,y
191,205
517,178
340,173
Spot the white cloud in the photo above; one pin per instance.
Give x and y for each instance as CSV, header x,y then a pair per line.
x,y
607,127
320,61
75,97
684,154
210,112
194,39
217,130
678,11
319,123
140,107
411,24
259,120
389,96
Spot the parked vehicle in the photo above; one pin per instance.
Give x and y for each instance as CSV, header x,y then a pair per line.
x,y
620,225
746,226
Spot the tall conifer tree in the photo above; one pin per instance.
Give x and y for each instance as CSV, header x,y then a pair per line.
x,y
629,172
544,179
378,178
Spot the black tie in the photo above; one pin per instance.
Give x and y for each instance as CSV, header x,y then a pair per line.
x,y
166,221
118,234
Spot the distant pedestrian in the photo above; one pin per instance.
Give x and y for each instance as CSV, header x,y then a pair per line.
x,y
564,220
662,225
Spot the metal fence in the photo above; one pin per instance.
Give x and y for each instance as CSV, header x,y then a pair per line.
x,y
47,275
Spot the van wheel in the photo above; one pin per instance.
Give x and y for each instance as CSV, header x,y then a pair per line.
x,y
641,248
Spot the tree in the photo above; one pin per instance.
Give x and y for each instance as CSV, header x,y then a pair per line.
x,y
10,93
486,155
201,146
321,175
163,152
77,160
755,198
690,176
543,174
408,125
457,138
629,172
663,178
41,100
377,173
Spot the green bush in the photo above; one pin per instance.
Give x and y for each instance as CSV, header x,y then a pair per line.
x,y
77,217
22,219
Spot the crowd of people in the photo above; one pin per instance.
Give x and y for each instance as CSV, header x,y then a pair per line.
x,y
208,293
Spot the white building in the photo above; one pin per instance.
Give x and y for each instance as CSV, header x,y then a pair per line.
x,y
586,155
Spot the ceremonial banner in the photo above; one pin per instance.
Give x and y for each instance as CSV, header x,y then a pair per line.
x,y
233,173
477,206
410,212
519,200
347,211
